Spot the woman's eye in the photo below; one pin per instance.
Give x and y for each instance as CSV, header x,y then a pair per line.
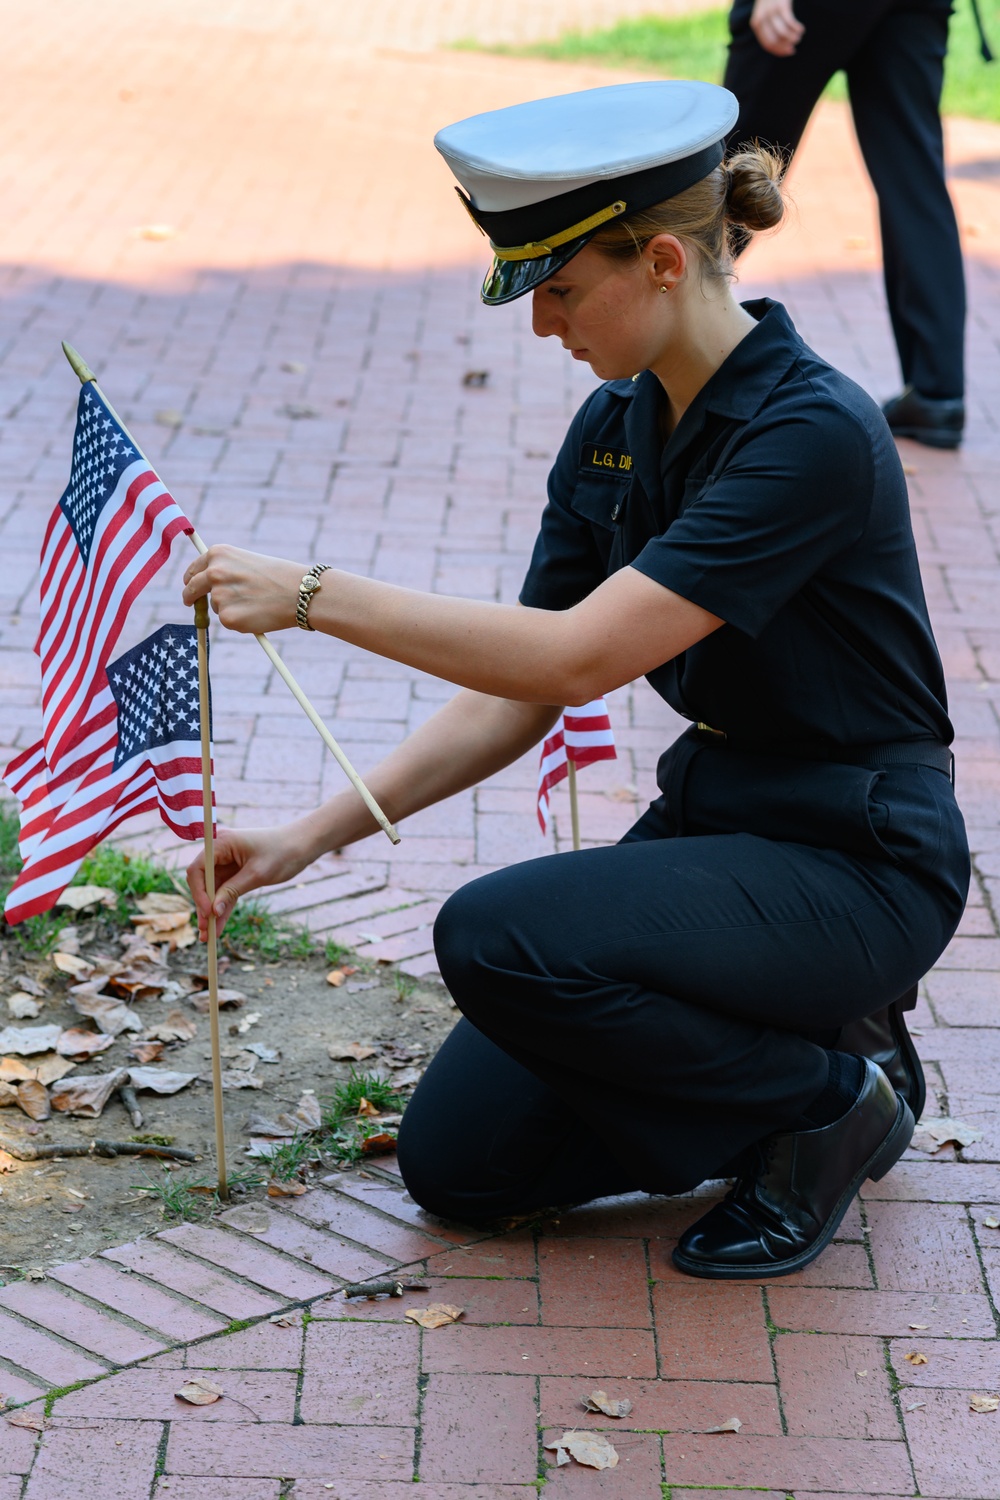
x,y
559,291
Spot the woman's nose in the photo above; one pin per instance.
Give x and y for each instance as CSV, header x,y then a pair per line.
x,y
545,319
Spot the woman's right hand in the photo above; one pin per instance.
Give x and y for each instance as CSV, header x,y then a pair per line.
x,y
245,859
776,27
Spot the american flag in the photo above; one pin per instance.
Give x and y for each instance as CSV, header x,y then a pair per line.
x,y
581,735
109,534
137,749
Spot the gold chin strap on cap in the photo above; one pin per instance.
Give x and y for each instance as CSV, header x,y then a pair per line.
x,y
535,251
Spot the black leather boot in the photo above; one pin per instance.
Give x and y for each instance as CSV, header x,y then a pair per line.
x,y
796,1189
884,1038
937,423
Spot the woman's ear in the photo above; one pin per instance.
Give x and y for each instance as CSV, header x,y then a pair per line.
x,y
665,259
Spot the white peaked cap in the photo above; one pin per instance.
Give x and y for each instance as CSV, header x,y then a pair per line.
x,y
540,178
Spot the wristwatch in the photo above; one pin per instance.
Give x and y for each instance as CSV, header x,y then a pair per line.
x,y
310,583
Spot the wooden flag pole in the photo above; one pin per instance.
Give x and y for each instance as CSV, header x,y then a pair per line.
x,y
204,713
86,375
574,804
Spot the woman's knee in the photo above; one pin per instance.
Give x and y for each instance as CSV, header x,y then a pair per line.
x,y
470,938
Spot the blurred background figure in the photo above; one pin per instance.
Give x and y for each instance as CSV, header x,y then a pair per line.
x,y
781,58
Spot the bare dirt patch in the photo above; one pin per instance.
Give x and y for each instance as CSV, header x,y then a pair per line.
x,y
51,1211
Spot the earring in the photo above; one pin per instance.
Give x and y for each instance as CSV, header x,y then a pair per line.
x,y
664,289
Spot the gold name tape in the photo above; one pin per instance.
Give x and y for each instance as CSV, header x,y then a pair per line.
x,y
605,459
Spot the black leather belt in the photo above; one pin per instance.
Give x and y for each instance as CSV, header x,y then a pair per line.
x,y
873,757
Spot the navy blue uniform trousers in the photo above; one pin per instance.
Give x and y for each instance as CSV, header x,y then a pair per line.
x,y
636,1016
893,54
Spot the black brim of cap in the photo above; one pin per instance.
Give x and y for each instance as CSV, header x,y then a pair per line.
x,y
507,280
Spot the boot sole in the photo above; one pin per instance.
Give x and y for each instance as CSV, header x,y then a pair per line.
x,y
881,1161
928,436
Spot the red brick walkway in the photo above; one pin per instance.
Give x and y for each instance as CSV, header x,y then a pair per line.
x,y
242,224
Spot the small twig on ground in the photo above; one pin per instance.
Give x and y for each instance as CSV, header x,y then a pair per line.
x,y
130,1104
383,1288
23,1152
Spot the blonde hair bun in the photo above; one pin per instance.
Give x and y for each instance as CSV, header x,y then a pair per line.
x,y
753,196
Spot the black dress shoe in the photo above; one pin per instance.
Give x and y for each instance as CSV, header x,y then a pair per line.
x,y
884,1038
925,419
788,1204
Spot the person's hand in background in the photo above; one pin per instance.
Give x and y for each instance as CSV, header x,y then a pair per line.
x,y
774,25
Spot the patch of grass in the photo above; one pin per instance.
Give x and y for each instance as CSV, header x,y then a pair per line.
x,y
404,984
129,875
694,46
288,1159
334,954
254,929
192,1198
343,1103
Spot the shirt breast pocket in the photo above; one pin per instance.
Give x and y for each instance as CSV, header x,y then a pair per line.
x,y
600,500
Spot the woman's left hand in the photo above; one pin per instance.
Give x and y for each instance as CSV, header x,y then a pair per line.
x,y
249,592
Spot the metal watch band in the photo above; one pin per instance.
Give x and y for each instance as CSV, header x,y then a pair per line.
x,y
308,587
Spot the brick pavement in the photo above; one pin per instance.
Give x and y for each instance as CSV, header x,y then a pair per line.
x,y
300,218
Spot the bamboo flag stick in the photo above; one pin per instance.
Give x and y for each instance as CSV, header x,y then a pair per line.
x,y
85,375
574,804
204,714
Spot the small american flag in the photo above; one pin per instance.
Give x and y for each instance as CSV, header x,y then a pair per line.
x,y
581,735
137,749
109,534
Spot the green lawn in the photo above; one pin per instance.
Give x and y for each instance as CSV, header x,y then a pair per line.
x,y
694,47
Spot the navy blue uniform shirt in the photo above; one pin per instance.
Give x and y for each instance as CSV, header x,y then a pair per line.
x,y
779,504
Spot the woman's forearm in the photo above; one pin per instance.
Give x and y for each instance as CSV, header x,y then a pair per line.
x,y
469,739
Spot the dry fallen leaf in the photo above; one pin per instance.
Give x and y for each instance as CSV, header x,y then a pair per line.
x,y
24,1041
7,1162
12,1070
434,1316
8,1094
731,1424
228,1000
80,1041
307,1111
51,1066
922,1327
146,1052
86,1094
156,903
159,1080
589,1448
283,1320
240,1078
599,1401
35,1274
22,1007
69,963
932,1134
984,1403
112,1016
33,1098
79,897
366,1108
336,977
353,1051
33,1420
373,1145
915,1359
176,1028
200,1391
30,986
293,1189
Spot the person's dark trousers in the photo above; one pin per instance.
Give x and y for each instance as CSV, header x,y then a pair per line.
x,y
635,1015
893,53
